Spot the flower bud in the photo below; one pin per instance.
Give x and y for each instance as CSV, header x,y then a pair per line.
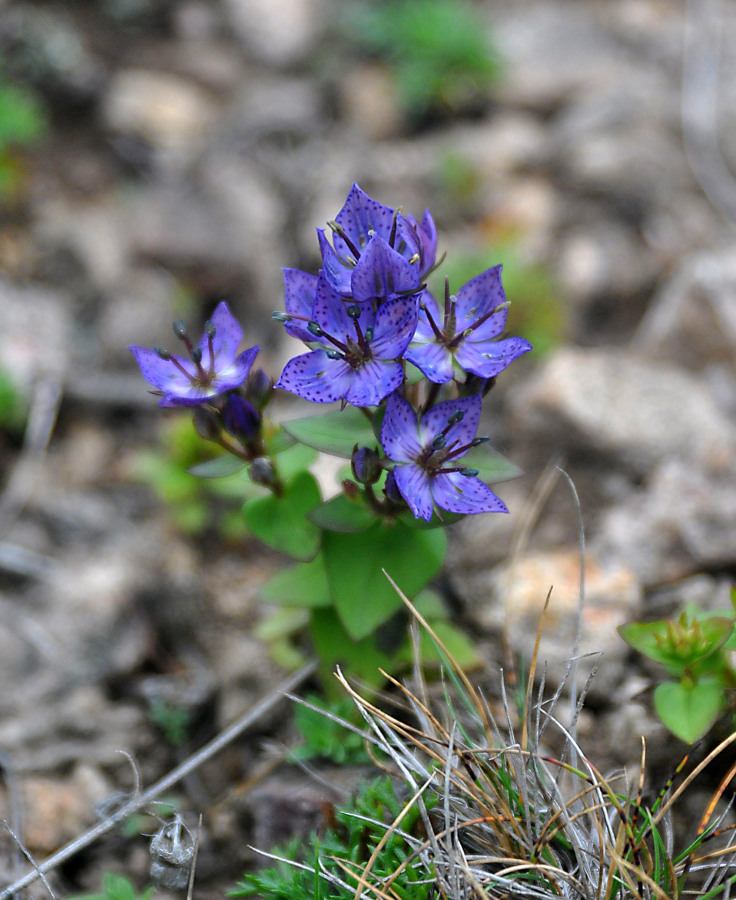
x,y
350,489
261,471
391,490
259,389
241,418
366,465
206,423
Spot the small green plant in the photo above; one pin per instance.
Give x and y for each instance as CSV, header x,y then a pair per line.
x,y
337,856
195,504
13,407
174,722
117,887
22,123
324,736
697,650
438,50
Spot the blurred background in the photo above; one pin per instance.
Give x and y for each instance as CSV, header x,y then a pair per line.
x,y
157,156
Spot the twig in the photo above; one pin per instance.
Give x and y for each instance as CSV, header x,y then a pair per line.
x,y
163,784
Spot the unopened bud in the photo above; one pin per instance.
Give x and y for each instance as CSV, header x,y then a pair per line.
x,y
261,471
259,389
206,423
180,329
391,490
350,489
241,418
366,465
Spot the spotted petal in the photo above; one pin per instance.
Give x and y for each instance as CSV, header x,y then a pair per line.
x,y
316,377
299,291
337,272
361,217
464,494
382,273
488,358
477,298
395,323
433,360
373,381
225,343
414,483
435,420
399,433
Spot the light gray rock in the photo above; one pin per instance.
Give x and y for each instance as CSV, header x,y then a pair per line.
x,y
680,524
278,33
692,318
616,405
510,599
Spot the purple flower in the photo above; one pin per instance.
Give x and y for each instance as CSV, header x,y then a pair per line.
x,y
210,369
466,332
299,292
356,226
359,362
427,451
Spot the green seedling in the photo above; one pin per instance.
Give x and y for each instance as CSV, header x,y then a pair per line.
x,y
697,651
117,887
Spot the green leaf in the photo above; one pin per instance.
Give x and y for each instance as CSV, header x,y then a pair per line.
x,y
342,514
293,459
335,432
363,596
491,465
304,584
218,467
359,659
652,639
688,711
283,623
281,522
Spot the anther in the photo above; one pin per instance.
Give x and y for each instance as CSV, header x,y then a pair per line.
x,y
180,329
164,354
369,333
439,442
333,354
209,328
469,473
197,356
280,316
353,311
476,442
456,417
313,328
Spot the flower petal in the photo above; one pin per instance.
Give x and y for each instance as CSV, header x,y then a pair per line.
x,y
373,381
415,486
361,217
299,290
336,271
488,358
330,313
228,335
232,377
434,360
464,494
316,377
394,327
476,298
435,420
428,306
162,373
399,435
381,273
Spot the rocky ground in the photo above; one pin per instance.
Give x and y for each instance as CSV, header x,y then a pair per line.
x,y
192,147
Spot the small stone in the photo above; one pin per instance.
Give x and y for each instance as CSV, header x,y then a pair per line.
x,y
512,597
279,33
610,403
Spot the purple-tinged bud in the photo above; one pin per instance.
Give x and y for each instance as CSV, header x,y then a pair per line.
x,y
313,328
164,354
456,417
209,328
180,329
261,471
350,489
241,419
391,490
259,389
206,423
366,465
